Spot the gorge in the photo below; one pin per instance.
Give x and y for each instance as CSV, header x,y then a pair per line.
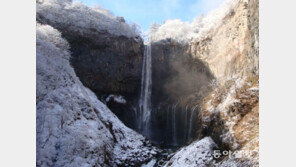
x,y
107,98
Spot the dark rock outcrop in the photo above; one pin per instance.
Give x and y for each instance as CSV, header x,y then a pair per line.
x,y
178,81
104,62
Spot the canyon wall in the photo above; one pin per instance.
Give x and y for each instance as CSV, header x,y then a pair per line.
x,y
228,109
106,52
230,113
79,47
204,88
179,80
74,128
232,49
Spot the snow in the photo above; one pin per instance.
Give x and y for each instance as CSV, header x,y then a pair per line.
x,y
74,128
150,163
117,98
80,17
183,32
256,89
198,153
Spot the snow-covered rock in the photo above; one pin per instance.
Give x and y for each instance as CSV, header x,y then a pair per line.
x,y
80,17
73,127
199,153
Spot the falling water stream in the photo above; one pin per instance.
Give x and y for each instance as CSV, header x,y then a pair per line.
x,y
174,124
144,114
145,97
190,122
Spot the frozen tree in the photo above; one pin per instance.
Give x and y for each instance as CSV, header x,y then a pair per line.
x,y
175,29
197,23
154,27
183,32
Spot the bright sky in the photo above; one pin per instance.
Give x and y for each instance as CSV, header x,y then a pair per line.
x,y
145,12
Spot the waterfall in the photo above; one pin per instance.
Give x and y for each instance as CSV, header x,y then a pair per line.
x,y
174,124
191,121
185,122
145,97
167,121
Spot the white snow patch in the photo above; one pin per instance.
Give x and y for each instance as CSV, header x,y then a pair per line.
x,y
116,98
256,89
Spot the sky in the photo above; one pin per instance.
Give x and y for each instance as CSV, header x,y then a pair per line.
x,y
145,12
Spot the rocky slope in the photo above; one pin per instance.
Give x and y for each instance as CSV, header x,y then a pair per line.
x,y
73,127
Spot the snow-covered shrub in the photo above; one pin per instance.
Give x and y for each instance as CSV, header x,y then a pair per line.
x,y
83,18
184,31
175,29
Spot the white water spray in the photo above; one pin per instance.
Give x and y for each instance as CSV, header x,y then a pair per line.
x,y
145,98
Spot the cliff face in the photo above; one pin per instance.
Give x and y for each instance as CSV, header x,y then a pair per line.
x,y
205,89
225,104
106,53
232,49
74,128
179,81
104,62
78,47
230,112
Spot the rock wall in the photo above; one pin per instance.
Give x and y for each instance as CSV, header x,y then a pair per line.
x,y
227,109
232,49
202,89
74,128
234,62
106,55
179,80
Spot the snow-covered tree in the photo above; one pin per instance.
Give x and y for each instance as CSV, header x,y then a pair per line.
x,y
183,32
